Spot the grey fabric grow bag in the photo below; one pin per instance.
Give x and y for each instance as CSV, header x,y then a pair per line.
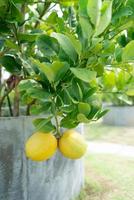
x,y
119,116
21,179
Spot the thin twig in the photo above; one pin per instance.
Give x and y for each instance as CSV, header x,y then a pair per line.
x,y
108,92
4,96
51,7
2,53
16,102
49,1
9,105
46,6
56,118
29,107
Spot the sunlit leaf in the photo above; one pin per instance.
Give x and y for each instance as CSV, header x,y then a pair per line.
x,y
105,19
84,74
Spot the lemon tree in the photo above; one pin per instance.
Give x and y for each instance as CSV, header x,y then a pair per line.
x,y
62,61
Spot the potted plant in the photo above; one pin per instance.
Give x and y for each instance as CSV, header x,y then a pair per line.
x,y
56,62
118,86
121,105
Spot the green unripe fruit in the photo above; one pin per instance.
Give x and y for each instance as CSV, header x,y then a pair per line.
x,y
84,108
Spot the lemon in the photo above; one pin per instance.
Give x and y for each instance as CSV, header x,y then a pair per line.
x,y
40,146
72,145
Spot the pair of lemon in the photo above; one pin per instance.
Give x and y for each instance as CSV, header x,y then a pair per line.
x,y
42,146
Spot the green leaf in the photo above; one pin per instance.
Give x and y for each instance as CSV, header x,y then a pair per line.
x,y
10,63
84,74
130,4
26,84
3,8
105,19
48,45
66,45
22,1
1,43
68,122
118,54
3,3
10,44
55,71
59,70
68,3
67,109
25,37
121,79
86,27
94,10
45,68
109,79
70,97
130,92
4,27
83,8
101,113
75,90
38,93
95,110
122,12
75,42
52,19
38,109
44,125
124,98
14,15
128,52
80,92
25,98
99,68
90,92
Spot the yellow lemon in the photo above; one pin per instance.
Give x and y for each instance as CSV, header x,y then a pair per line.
x,y
72,145
40,146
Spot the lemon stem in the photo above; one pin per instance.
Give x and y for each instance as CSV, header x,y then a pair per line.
x,y
54,110
57,126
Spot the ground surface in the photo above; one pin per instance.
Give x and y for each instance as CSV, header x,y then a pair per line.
x,y
111,148
109,175
101,132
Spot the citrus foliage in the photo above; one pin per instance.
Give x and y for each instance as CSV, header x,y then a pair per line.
x,y
68,58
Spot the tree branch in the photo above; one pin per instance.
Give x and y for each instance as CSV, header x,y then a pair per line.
x,y
46,6
9,105
3,98
29,107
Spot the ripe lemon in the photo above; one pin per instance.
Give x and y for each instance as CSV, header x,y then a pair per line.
x,y
72,145
40,146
